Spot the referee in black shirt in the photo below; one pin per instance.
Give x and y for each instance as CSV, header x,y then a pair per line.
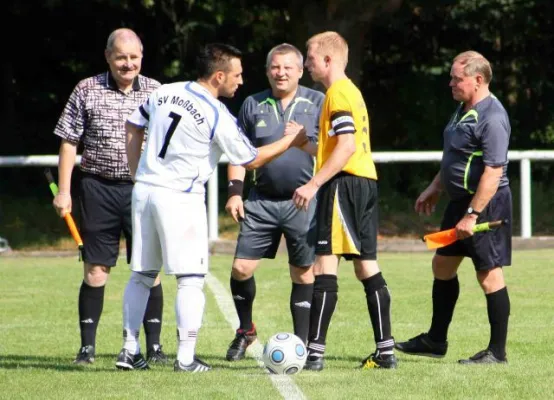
x,y
269,212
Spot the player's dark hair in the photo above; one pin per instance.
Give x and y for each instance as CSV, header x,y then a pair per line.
x,y
215,57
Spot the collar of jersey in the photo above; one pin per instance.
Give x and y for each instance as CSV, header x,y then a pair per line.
x,y
112,84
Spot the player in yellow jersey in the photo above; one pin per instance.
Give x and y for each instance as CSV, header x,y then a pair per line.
x,y
346,185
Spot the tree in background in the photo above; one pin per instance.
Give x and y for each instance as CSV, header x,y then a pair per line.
x,y
400,56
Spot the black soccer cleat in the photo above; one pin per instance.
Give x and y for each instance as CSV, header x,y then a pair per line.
x,y
85,355
197,365
127,361
314,363
240,343
423,345
484,357
378,360
155,355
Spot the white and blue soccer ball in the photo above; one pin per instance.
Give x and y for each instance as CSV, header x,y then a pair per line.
x,y
284,354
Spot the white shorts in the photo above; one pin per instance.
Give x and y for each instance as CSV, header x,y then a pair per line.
x,y
170,228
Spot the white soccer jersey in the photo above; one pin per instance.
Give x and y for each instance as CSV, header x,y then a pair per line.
x,y
188,131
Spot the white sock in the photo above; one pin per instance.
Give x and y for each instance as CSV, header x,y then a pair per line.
x,y
189,309
135,298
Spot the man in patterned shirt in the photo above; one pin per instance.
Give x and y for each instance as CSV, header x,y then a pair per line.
x,y
95,115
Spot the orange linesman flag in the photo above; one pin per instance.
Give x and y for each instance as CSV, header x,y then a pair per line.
x,y
446,237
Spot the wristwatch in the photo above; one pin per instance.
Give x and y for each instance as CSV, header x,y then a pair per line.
x,y
470,210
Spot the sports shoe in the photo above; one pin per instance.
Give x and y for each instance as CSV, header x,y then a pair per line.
x,y
484,357
314,363
422,345
127,361
197,365
378,360
240,343
155,355
85,355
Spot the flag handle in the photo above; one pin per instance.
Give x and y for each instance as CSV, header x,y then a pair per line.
x,y
67,217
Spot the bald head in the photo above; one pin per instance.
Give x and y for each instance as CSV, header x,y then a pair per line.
x,y
122,35
124,56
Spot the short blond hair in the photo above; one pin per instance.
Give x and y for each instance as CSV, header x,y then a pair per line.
x,y
330,43
475,63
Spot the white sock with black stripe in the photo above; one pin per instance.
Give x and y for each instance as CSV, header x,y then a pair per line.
x,y
189,309
134,305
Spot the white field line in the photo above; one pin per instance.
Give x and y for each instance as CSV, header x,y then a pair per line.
x,y
283,383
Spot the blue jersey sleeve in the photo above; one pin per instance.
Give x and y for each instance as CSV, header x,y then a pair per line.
x,y
495,139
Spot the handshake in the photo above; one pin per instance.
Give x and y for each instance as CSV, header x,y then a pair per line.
x,y
298,131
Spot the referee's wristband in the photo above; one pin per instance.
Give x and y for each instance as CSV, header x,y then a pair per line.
x,y
235,188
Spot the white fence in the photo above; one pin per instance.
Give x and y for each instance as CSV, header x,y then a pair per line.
x,y
524,157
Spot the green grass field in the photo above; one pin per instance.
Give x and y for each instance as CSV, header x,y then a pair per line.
x,y
39,337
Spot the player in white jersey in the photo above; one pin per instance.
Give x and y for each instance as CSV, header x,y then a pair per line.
x,y
188,131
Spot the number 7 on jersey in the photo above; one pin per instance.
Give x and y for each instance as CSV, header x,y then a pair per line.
x,y
176,118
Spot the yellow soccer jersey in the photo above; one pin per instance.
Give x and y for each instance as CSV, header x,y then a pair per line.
x,y
344,112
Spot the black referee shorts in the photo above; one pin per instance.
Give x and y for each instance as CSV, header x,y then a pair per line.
x,y
347,217
105,213
489,249
266,220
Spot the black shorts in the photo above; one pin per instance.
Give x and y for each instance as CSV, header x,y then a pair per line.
x,y
105,213
347,217
486,249
266,220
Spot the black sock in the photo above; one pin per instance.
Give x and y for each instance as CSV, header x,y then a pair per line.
x,y
152,321
378,304
244,293
445,296
324,301
498,308
300,304
91,303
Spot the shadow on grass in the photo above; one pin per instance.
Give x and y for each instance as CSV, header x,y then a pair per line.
x,y
18,361
402,359
13,361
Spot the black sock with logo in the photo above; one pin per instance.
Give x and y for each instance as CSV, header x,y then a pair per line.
x,y
244,293
91,303
152,321
300,304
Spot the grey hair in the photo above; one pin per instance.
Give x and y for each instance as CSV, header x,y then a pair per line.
x,y
284,48
122,32
475,63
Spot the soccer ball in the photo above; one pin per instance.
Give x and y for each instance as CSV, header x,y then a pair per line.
x,y
284,354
